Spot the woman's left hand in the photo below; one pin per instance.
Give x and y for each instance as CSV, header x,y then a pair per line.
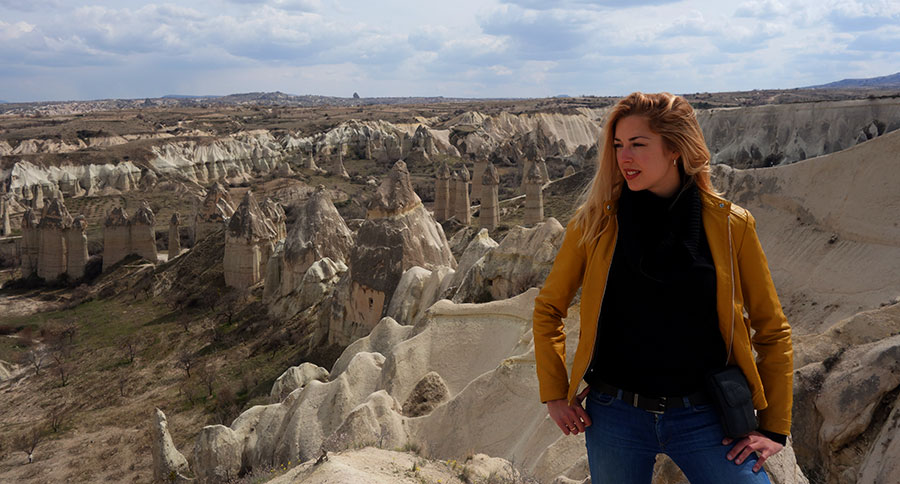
x,y
753,442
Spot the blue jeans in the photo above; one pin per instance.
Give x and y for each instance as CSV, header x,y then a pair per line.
x,y
622,443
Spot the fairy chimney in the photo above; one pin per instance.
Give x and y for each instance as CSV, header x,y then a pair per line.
x,y
248,243
442,193
213,213
30,239
4,207
534,196
318,232
461,212
143,233
477,173
490,203
454,181
76,247
398,233
116,237
38,198
51,258
174,239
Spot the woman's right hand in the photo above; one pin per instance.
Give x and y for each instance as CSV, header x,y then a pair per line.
x,y
571,419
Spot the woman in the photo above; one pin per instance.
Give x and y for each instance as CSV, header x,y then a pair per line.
x,y
673,280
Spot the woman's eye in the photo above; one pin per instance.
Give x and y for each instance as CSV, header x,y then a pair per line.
x,y
617,146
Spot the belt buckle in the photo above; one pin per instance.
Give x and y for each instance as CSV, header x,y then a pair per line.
x,y
661,406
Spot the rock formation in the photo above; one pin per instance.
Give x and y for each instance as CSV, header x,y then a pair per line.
x,y
55,220
785,133
296,378
249,241
534,196
213,213
830,252
143,233
461,211
30,248
477,175
522,260
76,247
116,237
275,213
217,455
454,184
442,193
398,233
570,170
174,237
37,199
169,465
489,216
319,232
493,392
478,247
5,229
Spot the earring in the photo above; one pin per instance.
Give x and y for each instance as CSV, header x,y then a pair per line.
x,y
675,162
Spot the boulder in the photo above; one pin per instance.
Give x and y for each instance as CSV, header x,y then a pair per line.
x,y
296,377
418,289
430,392
217,455
478,246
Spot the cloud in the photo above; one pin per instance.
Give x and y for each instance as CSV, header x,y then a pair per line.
x,y
853,16
581,4
542,35
290,5
762,9
881,41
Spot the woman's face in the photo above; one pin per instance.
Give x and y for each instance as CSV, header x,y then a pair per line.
x,y
644,160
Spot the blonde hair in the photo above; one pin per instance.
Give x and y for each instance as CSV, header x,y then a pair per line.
x,y
669,116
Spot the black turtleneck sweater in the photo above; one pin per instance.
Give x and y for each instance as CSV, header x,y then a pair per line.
x,y
658,331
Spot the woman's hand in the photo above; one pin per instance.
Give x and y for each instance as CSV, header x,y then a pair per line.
x,y
571,419
753,442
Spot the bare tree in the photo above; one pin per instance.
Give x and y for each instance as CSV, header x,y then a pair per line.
x,y
29,440
130,345
186,361
34,358
57,416
63,367
207,375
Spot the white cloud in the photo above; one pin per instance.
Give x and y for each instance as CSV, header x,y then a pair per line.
x,y
460,48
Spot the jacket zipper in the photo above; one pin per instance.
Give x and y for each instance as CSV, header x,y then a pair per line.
x,y
602,296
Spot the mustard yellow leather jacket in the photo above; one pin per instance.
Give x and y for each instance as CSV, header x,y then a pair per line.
x,y
743,286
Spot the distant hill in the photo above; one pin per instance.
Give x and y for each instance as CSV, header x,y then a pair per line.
x,y
891,81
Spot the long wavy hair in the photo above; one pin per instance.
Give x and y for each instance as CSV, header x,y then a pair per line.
x,y
669,116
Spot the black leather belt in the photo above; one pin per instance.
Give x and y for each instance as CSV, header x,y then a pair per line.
x,y
651,404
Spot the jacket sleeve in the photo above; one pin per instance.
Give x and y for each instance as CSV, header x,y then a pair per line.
x,y
550,307
772,338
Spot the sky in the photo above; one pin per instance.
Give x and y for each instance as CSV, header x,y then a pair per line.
x,y
80,50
